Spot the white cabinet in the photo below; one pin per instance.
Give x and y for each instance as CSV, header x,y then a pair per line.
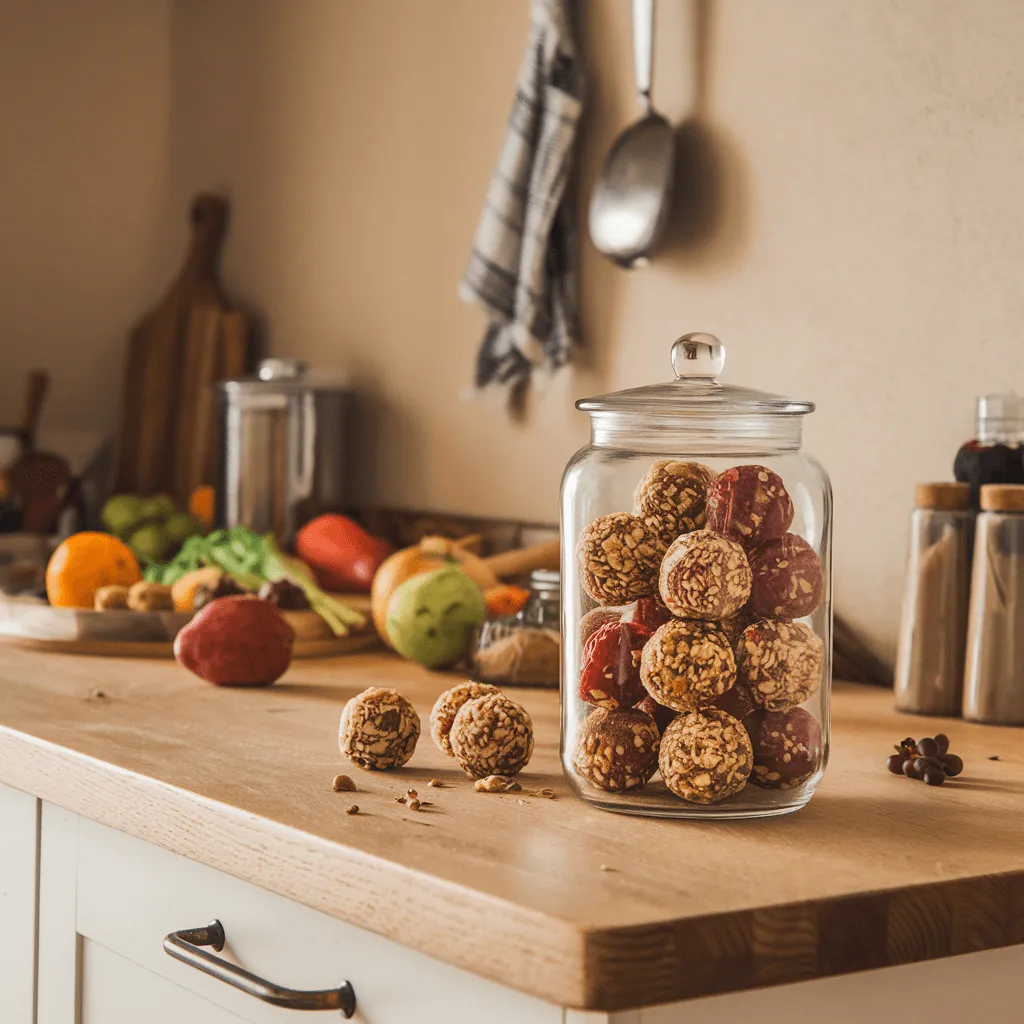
x,y
19,852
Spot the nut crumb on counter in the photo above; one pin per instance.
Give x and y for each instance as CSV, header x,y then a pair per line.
x,y
343,784
436,783
354,809
544,794
96,695
496,784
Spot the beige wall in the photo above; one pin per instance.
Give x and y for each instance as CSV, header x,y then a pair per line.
x,y
84,110
867,251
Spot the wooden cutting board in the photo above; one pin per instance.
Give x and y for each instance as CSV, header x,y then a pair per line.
x,y
175,353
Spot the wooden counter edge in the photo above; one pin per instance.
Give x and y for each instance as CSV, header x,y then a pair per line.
x,y
600,969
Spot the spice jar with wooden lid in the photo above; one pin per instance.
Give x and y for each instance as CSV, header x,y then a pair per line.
x,y
994,672
933,627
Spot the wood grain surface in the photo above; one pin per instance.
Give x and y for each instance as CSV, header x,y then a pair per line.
x,y
581,908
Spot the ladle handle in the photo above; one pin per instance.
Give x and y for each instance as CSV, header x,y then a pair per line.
x,y
643,50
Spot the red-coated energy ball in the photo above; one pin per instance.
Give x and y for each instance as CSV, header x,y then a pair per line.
x,y
598,617
671,498
738,701
787,578
661,714
749,504
619,558
787,748
617,750
649,612
781,662
704,575
610,677
687,665
705,756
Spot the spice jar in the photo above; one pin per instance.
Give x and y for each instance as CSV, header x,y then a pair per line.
x,y
696,599
524,650
933,627
994,673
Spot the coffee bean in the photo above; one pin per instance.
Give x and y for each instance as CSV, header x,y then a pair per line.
x,y
951,764
943,741
934,778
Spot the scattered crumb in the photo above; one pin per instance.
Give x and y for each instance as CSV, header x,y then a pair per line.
x,y
994,757
96,695
605,867
411,794
413,804
521,801
343,784
544,794
436,783
496,784
354,809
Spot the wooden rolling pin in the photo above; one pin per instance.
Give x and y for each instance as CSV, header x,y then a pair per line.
x,y
521,561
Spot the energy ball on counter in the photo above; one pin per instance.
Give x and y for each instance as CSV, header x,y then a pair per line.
x,y
738,701
687,665
704,576
781,662
610,677
492,735
619,557
648,611
446,707
705,756
661,714
379,729
787,748
787,578
617,750
749,504
598,617
671,498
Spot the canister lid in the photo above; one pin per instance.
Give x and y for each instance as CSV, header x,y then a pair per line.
x,y
697,360
282,376
1002,497
946,497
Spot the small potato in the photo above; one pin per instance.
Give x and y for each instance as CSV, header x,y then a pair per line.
x,y
150,597
112,598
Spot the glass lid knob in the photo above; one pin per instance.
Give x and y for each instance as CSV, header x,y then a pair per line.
x,y
698,356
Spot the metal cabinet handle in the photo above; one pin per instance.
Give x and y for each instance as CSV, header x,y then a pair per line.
x,y
184,945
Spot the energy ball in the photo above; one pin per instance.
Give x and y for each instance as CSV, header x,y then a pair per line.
x,y
649,612
671,498
596,618
379,729
687,665
787,748
661,714
749,504
781,662
738,701
787,578
733,625
617,750
446,707
619,556
705,756
610,677
704,576
492,735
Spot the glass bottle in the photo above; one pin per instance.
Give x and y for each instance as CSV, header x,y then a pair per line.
x,y
933,627
994,674
996,455
696,599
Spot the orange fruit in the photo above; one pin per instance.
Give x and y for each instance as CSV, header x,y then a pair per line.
x,y
85,562
201,504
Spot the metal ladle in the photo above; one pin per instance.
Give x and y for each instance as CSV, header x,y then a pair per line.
x,y
632,197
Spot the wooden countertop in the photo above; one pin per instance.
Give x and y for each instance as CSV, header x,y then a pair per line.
x,y
579,907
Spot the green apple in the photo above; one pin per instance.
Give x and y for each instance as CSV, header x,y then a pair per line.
x,y
160,506
149,543
180,526
121,512
431,617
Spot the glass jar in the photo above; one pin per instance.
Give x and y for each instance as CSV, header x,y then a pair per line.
x,y
933,627
994,673
696,600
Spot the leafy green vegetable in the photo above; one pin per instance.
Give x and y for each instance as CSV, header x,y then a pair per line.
x,y
251,560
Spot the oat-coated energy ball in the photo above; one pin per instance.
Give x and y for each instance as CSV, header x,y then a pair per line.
x,y
671,498
787,748
619,558
617,750
379,729
781,662
492,735
787,578
446,707
687,665
704,576
705,756
750,504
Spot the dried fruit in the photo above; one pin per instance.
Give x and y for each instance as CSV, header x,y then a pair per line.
x,y
610,677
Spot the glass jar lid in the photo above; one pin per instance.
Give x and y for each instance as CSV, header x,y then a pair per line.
x,y
697,360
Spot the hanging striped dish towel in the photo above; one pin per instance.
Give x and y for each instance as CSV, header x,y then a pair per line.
x,y
524,267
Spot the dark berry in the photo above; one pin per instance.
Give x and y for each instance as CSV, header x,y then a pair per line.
x,y
895,763
908,768
927,764
952,765
943,741
933,778
927,747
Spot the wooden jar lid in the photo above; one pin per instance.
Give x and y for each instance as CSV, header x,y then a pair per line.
x,y
1002,497
946,497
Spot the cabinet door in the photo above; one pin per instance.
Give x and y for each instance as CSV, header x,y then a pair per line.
x,y
19,846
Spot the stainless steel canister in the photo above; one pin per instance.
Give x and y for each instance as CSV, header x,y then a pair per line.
x,y
285,448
